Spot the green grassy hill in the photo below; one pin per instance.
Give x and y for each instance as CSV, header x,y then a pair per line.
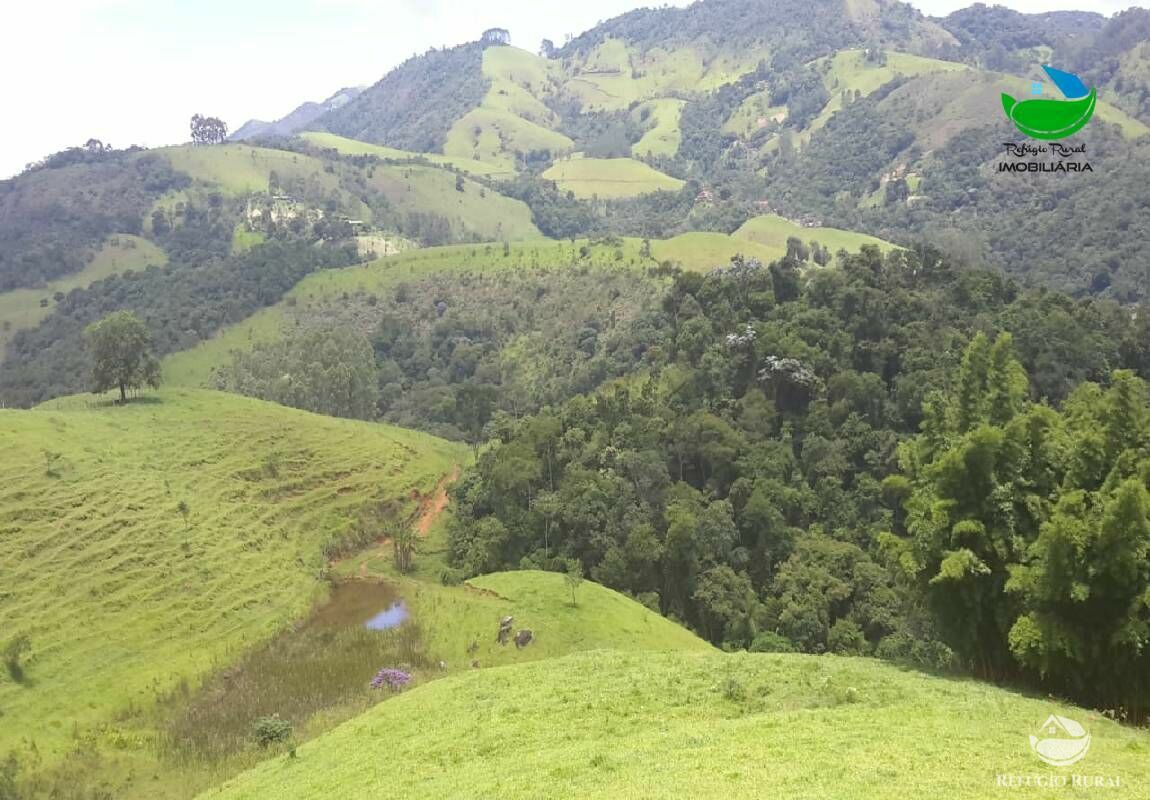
x,y
609,177
242,169
702,250
472,209
351,147
613,724
121,593
21,309
772,231
850,71
664,136
495,135
613,74
694,251
452,618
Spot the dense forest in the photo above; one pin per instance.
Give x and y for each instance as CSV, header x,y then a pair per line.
x,y
882,458
57,213
414,105
794,31
758,475
448,354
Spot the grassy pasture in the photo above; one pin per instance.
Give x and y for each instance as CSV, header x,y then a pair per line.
x,y
146,544
609,177
664,137
849,71
240,169
353,147
611,724
472,209
494,135
704,250
772,231
20,309
613,75
519,82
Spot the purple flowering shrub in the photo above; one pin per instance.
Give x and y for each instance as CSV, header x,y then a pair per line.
x,y
394,679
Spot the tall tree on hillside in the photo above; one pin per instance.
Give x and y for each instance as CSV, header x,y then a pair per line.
x,y
122,357
208,130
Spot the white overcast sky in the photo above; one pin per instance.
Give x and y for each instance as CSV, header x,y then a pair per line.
x,y
134,71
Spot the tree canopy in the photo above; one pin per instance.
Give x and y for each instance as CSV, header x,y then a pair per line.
x,y
122,356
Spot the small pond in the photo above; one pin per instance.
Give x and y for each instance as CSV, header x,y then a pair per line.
x,y
323,664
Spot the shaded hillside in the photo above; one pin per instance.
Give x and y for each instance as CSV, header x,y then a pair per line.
x,y
54,217
414,105
998,38
918,158
23,309
787,31
181,306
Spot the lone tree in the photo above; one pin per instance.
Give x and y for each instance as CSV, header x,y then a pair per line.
x,y
208,130
122,354
404,540
574,576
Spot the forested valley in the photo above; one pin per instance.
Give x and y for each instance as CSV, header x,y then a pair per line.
x,y
894,457
530,410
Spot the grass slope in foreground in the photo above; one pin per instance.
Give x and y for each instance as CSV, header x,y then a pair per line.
x,y
612,725
121,593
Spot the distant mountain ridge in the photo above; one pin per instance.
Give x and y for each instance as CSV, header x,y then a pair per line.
x,y
414,105
297,120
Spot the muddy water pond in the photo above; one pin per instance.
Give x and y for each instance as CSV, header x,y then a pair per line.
x,y
322,665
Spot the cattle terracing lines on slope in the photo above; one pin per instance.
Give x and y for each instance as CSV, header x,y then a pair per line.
x,y
144,544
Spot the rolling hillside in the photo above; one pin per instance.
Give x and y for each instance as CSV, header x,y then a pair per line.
x,y
242,169
764,239
147,543
612,724
609,178
772,232
453,619
352,147
21,309
472,210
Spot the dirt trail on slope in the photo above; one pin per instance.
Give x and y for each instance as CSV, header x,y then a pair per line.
x,y
431,507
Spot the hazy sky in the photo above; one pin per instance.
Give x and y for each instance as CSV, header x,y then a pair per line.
x,y
134,71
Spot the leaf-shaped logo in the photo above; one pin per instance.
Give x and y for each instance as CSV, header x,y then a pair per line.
x,y
1054,119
